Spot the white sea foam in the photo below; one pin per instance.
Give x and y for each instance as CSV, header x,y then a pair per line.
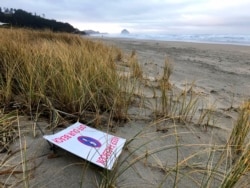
x,y
199,38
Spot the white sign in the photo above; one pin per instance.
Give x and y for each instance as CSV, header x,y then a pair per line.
x,y
93,145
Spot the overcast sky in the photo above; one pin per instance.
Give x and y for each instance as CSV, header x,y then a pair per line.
x,y
163,16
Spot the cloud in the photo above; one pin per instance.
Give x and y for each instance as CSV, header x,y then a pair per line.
x,y
138,15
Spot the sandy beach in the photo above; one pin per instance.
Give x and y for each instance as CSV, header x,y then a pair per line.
x,y
220,70
219,73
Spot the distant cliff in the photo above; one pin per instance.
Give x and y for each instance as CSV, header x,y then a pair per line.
x,y
21,18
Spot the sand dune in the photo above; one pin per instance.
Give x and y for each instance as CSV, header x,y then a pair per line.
x,y
220,74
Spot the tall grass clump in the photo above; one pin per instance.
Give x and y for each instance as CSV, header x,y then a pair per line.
x,y
165,86
240,149
135,66
239,136
58,71
238,170
241,130
187,105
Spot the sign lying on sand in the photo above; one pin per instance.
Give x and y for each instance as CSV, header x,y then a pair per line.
x,y
93,145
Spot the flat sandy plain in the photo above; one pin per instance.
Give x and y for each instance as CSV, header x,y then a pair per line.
x,y
219,73
222,70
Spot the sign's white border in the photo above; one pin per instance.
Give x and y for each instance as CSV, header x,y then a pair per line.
x,y
88,143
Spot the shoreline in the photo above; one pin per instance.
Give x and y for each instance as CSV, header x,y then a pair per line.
x,y
162,40
172,42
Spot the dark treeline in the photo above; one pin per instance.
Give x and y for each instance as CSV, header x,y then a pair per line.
x,y
20,18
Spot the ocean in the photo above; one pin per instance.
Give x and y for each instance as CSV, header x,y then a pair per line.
x,y
198,38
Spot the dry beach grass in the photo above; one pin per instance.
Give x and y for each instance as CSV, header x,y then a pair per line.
x,y
183,108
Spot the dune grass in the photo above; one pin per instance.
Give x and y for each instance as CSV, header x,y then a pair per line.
x,y
65,72
241,127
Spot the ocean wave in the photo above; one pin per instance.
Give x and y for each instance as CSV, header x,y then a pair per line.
x,y
199,38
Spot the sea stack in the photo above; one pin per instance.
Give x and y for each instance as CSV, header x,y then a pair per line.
x,y
124,32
